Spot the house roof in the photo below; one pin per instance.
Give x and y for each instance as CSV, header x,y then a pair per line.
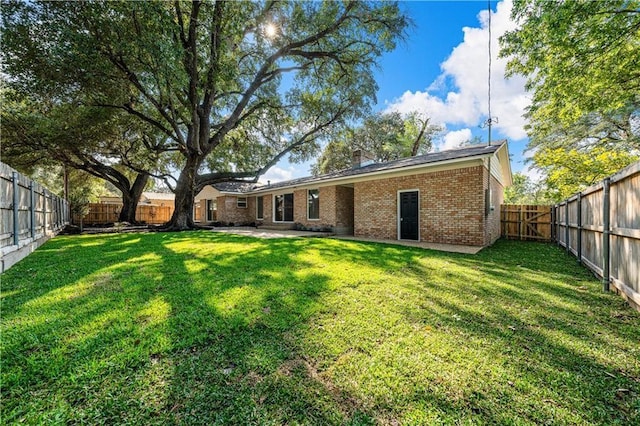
x,y
426,159
169,196
236,186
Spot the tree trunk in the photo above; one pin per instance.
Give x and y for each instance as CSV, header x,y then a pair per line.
x,y
65,182
131,197
416,143
182,218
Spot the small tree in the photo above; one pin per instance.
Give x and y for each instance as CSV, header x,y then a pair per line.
x,y
79,205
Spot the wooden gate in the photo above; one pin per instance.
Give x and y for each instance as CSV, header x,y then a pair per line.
x,y
526,222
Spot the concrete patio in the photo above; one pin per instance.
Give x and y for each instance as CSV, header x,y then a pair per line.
x,y
270,233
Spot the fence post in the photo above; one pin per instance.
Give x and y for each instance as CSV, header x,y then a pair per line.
x,y
58,213
32,211
16,199
44,211
520,222
566,227
606,235
579,230
553,223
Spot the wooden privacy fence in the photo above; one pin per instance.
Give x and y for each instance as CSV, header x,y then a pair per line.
x,y
601,227
30,213
526,222
108,213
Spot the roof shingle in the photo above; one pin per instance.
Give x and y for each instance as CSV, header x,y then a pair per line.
x,y
432,157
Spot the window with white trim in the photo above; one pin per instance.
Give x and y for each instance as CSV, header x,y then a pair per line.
x,y
242,202
211,210
313,204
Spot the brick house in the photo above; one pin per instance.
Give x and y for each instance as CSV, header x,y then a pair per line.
x,y
441,197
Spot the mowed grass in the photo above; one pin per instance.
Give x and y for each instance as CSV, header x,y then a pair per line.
x,y
207,328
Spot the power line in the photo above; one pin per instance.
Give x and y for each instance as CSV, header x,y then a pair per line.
x,y
490,120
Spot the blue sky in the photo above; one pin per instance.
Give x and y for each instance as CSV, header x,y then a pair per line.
x,y
441,70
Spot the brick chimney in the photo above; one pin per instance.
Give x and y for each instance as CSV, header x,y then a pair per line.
x,y
361,158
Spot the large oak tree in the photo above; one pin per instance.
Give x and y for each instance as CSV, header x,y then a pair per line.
x,y
106,144
582,61
234,86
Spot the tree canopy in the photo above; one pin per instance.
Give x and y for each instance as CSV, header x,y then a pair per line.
x,y
582,61
233,86
106,144
384,136
580,57
568,171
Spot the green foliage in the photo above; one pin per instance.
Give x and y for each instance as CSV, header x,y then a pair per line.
x,y
570,171
525,191
385,137
43,134
79,204
205,73
207,328
581,61
580,57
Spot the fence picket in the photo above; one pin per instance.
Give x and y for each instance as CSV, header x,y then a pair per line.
x,y
600,226
108,213
25,221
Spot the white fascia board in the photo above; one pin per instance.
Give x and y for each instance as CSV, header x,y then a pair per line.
x,y
505,162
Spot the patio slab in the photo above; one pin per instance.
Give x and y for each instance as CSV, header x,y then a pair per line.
x,y
451,248
270,233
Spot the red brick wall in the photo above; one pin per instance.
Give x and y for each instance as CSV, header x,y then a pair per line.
x,y
300,206
451,206
267,205
344,210
228,211
336,209
327,208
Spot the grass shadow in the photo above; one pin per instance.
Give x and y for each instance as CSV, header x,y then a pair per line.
x,y
205,328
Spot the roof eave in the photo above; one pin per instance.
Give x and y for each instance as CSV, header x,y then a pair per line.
x,y
346,179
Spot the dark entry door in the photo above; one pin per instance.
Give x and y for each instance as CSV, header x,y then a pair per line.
x,y
409,215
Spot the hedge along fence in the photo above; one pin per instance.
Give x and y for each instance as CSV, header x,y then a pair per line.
x,y
601,227
30,215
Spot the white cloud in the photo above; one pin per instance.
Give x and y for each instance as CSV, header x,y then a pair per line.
x,y
454,139
533,174
467,69
278,174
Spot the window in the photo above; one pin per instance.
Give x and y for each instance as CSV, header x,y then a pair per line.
x,y
313,204
211,210
242,202
260,207
283,208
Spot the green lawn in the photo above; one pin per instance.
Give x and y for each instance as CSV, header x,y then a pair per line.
x,y
206,328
